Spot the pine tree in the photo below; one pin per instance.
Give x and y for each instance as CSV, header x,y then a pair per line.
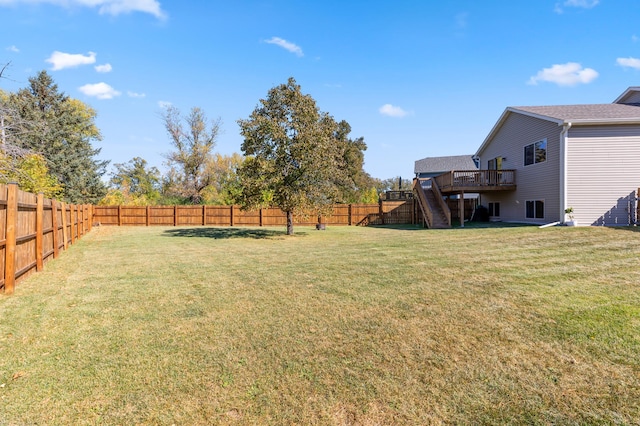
x,y
61,129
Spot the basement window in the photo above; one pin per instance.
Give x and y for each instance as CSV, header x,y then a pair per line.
x,y
535,209
494,209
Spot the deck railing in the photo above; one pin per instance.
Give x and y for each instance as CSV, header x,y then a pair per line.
x,y
481,179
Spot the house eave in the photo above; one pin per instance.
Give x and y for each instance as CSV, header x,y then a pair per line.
x,y
601,122
626,92
558,121
503,118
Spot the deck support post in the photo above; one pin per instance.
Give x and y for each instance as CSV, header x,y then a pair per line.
x,y
461,203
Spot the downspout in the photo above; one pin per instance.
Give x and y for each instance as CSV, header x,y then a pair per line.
x,y
564,149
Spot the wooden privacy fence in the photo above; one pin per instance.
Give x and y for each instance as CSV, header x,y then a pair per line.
x,y
33,230
385,212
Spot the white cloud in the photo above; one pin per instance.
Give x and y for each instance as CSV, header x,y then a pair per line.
x,y
585,4
291,47
462,20
62,60
634,38
99,90
392,111
109,7
568,74
12,48
135,95
629,62
104,68
164,104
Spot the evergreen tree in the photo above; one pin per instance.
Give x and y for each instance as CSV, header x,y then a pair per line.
x,y
61,129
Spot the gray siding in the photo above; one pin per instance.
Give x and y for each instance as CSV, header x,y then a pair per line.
x,y
535,182
632,98
603,165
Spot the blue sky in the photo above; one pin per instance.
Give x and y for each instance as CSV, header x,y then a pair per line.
x,y
414,78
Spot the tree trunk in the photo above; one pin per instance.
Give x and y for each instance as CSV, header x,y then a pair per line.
x,y
289,223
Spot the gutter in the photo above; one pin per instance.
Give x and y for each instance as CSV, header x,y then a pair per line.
x,y
564,149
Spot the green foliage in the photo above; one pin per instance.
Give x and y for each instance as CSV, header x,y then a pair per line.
x,y
355,186
225,187
193,141
61,129
394,184
294,159
369,196
31,173
134,183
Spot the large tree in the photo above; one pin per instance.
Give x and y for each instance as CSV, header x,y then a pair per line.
x,y
358,186
134,183
18,164
294,160
61,129
225,186
193,138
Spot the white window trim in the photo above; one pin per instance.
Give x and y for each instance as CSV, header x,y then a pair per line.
x,y
534,209
546,150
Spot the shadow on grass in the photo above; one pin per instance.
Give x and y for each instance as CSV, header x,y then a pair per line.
x,y
492,225
222,233
627,228
456,225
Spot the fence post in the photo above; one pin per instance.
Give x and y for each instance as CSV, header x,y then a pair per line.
x,y
381,211
119,215
65,239
350,220
148,215
175,215
231,217
80,210
10,237
204,215
90,214
261,216
54,224
39,236
74,223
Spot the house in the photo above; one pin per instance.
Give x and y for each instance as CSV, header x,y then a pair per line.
x,y
453,177
434,166
586,157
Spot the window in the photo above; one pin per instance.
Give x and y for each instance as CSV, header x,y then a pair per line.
x,y
495,163
535,209
494,209
535,153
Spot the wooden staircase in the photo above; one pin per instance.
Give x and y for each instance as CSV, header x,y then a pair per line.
x,y
435,212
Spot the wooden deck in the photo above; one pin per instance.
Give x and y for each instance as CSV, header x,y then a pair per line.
x,y
476,181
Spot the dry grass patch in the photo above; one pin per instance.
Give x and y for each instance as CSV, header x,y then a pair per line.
x,y
345,326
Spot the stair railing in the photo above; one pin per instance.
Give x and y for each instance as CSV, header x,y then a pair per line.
x,y
425,208
443,205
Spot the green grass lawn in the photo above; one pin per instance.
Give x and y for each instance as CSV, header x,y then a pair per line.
x,y
345,326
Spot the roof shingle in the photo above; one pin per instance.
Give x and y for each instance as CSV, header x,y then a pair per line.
x,y
585,112
444,164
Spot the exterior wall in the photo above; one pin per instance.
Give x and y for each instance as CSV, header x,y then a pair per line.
x,y
603,167
534,182
632,98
